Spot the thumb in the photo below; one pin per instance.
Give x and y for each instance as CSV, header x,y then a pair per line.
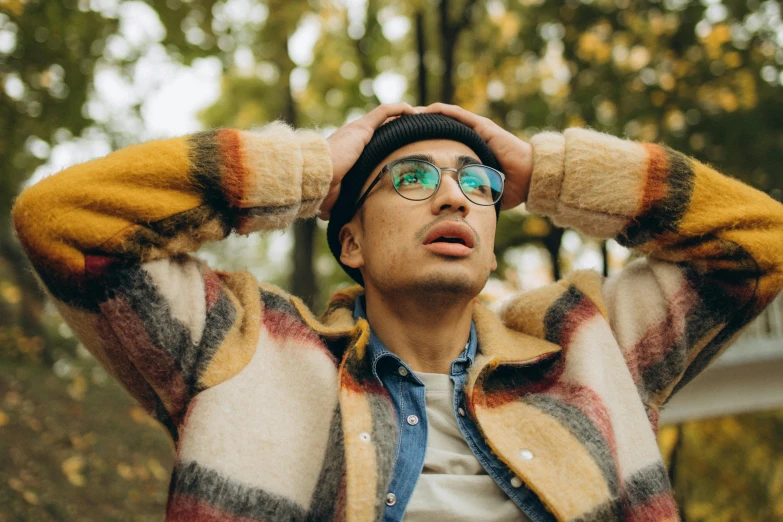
x,y
325,210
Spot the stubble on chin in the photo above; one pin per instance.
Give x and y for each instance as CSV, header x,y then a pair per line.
x,y
435,289
443,286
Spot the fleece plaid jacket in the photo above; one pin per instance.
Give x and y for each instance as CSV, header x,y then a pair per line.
x,y
275,413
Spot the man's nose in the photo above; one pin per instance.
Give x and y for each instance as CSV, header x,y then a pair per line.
x,y
450,196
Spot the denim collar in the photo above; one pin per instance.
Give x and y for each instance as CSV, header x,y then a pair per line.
x,y
378,351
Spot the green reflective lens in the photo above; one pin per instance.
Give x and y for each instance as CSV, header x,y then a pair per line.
x,y
414,179
418,180
482,185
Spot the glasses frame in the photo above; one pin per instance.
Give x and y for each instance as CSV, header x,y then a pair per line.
x,y
387,169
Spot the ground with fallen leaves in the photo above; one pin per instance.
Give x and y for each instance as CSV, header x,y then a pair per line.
x,y
75,447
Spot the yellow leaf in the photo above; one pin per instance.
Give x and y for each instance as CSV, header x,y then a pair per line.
x,y
73,464
158,471
141,472
76,479
140,416
125,471
30,497
72,468
78,388
732,59
15,7
81,443
16,484
3,418
535,226
11,294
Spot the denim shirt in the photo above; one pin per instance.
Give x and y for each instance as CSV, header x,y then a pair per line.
x,y
407,394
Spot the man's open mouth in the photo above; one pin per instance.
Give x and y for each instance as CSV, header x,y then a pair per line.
x,y
453,232
450,240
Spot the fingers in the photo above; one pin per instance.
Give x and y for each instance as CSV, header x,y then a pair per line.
x,y
379,115
485,127
389,119
325,211
458,113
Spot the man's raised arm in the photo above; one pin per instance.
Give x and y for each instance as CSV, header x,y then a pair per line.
x,y
164,198
110,240
712,246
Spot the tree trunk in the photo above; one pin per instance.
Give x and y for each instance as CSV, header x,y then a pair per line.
x,y
605,257
673,467
449,34
448,38
421,49
552,244
302,283
372,30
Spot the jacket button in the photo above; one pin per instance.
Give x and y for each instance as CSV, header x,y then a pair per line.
x,y
391,499
412,420
461,412
402,371
526,454
516,482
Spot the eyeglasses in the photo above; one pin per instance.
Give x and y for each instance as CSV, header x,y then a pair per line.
x,y
418,180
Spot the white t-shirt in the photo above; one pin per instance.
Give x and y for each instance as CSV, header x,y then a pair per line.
x,y
453,485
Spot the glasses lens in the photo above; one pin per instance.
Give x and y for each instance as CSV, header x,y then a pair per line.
x,y
482,185
414,180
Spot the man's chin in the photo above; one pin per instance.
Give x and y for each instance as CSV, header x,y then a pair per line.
x,y
454,277
447,280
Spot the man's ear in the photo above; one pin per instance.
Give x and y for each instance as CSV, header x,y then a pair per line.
x,y
494,262
350,239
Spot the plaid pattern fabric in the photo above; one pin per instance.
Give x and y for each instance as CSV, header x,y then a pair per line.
x,y
276,414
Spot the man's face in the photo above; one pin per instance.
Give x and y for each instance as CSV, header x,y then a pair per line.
x,y
438,246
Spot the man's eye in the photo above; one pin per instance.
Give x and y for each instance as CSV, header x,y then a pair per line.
x,y
417,178
471,183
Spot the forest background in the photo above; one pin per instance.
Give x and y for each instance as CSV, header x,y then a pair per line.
x,y
79,78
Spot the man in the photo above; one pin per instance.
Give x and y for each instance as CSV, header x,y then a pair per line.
x,y
406,397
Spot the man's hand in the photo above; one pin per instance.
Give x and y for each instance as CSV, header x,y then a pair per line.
x,y
515,155
348,142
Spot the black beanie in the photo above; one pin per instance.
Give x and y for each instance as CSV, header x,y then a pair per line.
x,y
389,137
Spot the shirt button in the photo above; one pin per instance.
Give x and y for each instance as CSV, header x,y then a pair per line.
x,y
516,482
461,412
412,420
402,371
391,499
526,454
364,436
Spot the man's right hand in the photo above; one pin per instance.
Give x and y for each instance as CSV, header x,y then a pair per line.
x,y
348,142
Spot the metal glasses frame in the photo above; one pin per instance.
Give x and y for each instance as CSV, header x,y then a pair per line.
x,y
387,168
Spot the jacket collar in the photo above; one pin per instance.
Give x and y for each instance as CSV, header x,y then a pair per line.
x,y
498,344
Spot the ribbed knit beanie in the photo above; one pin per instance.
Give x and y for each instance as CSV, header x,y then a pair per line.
x,y
389,137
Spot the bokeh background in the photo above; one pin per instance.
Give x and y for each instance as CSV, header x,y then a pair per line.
x,y
79,78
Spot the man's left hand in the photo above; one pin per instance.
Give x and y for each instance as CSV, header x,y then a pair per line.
x,y
514,155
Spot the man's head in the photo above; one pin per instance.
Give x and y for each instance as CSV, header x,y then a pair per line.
x,y
442,244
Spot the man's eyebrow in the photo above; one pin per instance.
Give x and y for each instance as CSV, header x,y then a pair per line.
x,y
467,160
462,160
420,157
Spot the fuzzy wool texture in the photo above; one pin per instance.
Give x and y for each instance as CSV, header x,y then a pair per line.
x,y
275,412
